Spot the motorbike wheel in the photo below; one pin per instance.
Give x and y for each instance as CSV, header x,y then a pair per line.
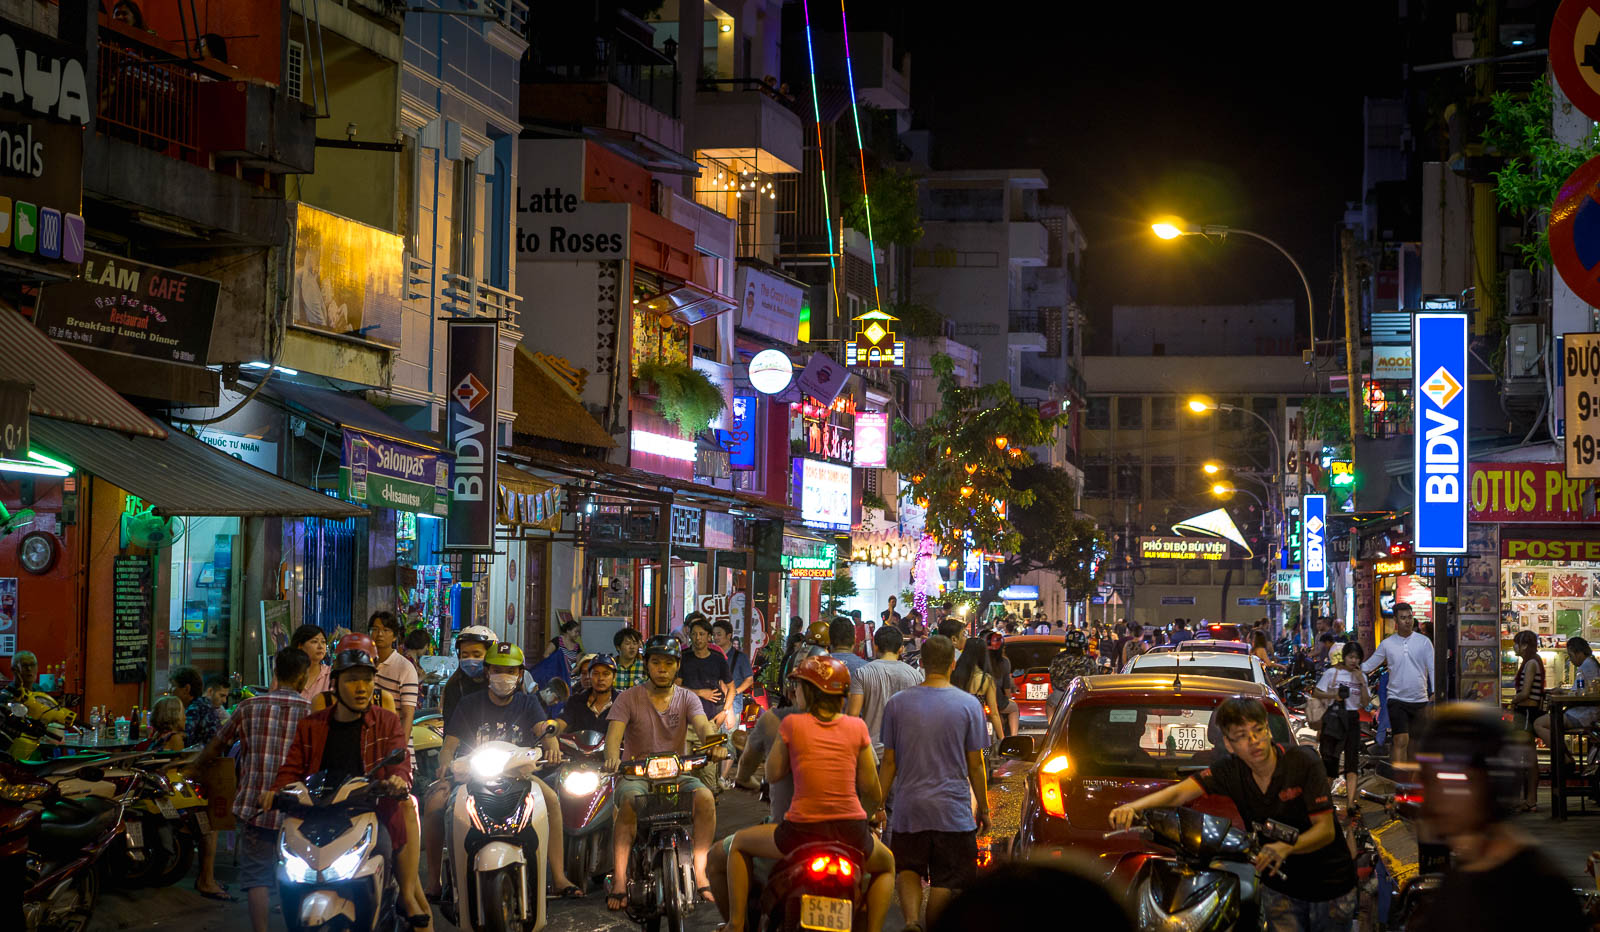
x,y
178,863
578,862
500,901
87,891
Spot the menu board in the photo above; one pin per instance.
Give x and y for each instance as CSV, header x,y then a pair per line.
x,y
132,596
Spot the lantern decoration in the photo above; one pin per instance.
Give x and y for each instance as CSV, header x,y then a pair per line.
x,y
972,468
921,573
875,345
966,491
1000,443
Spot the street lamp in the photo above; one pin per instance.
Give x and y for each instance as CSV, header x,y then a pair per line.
x,y
1172,230
1211,467
1200,404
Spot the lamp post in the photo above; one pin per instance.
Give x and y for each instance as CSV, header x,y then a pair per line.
x,y
1168,230
1203,405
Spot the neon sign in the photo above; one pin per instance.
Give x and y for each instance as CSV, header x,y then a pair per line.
x,y
875,345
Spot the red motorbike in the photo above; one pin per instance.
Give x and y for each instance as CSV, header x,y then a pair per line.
x,y
586,807
50,849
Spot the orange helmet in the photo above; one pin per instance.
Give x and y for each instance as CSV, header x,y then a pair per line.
x,y
354,641
826,672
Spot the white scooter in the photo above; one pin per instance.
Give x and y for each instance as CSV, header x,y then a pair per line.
x,y
496,842
335,870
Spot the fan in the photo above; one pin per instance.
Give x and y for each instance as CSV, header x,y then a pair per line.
x,y
151,531
14,521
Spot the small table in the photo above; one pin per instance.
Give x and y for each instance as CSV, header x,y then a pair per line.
x,y
1559,704
77,744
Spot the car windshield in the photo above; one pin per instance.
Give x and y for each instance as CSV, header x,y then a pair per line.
x,y
1196,669
1157,740
1031,655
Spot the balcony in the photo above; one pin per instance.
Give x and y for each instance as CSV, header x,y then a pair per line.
x,y
463,296
602,72
1028,242
880,79
1047,287
1025,332
743,121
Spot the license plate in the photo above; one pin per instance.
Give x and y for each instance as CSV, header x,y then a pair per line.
x,y
1038,690
165,808
202,822
827,913
135,834
1188,737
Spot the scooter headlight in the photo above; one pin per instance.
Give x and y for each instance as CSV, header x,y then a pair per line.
x,y
345,865
296,869
581,782
488,763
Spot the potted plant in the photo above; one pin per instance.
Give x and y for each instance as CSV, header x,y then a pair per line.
x,y
684,395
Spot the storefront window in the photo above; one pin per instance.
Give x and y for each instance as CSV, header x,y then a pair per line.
x,y
205,595
425,586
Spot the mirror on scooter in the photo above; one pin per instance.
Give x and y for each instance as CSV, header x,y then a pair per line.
x,y
394,757
554,693
1018,747
17,709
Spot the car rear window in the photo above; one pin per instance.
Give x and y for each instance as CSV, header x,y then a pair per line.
x,y
1196,669
1222,632
1157,740
1032,655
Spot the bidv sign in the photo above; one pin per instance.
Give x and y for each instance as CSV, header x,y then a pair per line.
x,y
470,410
1440,452
1315,543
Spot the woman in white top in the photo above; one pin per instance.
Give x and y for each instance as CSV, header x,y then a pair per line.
x,y
1341,724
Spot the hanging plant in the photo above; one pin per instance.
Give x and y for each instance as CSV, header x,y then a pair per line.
x,y
684,395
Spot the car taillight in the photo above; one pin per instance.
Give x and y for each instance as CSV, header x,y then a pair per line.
x,y
831,866
1050,776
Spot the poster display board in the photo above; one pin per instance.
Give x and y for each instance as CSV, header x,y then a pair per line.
x,y
132,594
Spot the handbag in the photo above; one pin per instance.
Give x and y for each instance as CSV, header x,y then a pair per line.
x,y
1336,725
1316,709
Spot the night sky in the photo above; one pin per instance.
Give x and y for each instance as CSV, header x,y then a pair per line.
x,y
1246,114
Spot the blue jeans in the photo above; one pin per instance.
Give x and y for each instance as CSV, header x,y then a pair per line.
x,y
1287,914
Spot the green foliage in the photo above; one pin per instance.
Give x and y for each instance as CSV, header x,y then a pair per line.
x,y
684,395
1055,536
916,320
935,455
870,499
836,590
1327,419
1536,162
896,215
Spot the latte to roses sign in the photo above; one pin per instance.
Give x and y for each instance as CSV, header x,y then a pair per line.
x,y
1527,493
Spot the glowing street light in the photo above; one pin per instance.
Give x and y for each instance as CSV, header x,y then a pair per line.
x,y
1166,230
1172,228
1211,467
1200,404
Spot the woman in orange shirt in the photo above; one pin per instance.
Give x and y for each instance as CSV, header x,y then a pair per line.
x,y
835,772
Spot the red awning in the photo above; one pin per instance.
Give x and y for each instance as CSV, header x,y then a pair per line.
x,y
62,388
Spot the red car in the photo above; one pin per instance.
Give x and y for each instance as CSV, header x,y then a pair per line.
x,y
1114,739
1030,656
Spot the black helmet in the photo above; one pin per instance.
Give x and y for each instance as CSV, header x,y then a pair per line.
x,y
1472,736
351,660
664,645
1076,639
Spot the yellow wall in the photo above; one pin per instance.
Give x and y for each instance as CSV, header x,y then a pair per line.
x,y
364,89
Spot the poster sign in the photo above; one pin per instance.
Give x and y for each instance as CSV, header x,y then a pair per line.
x,y
132,308
1580,370
348,277
769,305
374,471
1314,544
823,492
132,595
823,378
872,439
8,616
554,222
1391,362
742,433
14,400
474,346
1440,447
262,454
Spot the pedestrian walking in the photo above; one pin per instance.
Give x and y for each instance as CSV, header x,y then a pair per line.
x,y
1005,686
705,672
741,674
842,641
933,743
973,674
263,726
396,675
1307,886
1409,656
1344,687
877,682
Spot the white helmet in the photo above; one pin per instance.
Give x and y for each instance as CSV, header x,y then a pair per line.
x,y
479,634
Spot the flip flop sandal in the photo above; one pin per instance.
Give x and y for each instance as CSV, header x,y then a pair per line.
x,y
220,895
570,892
704,893
616,902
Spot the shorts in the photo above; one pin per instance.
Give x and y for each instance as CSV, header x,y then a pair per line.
x,y
1523,717
855,833
947,859
1579,719
630,787
258,857
1349,745
760,868
1403,714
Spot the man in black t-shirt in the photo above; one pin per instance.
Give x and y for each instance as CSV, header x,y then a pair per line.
x,y
705,672
1316,888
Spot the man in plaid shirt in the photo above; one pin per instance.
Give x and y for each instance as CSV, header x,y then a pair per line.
x,y
263,725
630,666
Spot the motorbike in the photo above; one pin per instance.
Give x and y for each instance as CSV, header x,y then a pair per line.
x,y
495,841
1207,884
427,739
820,885
586,807
165,820
661,888
50,851
335,870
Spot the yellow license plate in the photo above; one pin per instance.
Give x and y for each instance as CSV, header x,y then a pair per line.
x,y
826,913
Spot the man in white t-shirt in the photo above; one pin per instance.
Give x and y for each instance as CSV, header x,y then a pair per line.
x,y
396,675
1409,656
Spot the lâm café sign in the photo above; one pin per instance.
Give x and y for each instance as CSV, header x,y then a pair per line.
x,y
1527,493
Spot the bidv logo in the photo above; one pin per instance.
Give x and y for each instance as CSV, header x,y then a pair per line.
x,y
1440,455
1315,543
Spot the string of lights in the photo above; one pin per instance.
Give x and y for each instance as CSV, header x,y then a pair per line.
x,y
822,165
861,150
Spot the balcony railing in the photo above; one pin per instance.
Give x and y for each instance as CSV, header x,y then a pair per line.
x,y
1025,322
787,101
467,297
152,103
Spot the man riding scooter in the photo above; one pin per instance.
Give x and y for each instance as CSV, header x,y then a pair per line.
x,y
471,677
654,719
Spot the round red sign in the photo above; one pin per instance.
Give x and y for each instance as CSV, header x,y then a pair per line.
x,y
1575,232
1575,53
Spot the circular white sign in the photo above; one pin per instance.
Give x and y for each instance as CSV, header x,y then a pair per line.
x,y
771,371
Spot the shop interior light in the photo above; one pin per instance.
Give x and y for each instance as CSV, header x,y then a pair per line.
x,y
675,448
258,364
37,464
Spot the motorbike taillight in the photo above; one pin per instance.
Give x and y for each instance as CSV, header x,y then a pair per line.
x,y
827,866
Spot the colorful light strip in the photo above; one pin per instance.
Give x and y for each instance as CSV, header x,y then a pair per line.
x,y
861,150
822,165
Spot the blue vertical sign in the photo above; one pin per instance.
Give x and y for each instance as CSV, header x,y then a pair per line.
x,y
1440,448
1313,543
742,433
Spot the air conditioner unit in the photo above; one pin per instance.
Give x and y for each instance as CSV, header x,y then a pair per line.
x,y
1524,350
1519,294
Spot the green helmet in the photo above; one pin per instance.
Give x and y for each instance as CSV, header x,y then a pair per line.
x,y
504,654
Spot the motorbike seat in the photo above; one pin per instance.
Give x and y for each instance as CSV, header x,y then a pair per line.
x,y
70,824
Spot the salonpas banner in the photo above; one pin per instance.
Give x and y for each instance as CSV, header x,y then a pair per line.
x,y
385,474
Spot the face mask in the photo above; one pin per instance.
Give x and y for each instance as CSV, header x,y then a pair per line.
x,y
472,668
503,684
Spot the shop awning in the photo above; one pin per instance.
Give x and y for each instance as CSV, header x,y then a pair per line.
x,y
344,410
62,388
184,476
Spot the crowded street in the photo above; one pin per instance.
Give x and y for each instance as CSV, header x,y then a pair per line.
x,y
596,465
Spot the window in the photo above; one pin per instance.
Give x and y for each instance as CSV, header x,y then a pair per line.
x,y
1230,420
1130,412
1097,480
1164,481
1154,739
1098,415
293,74
1129,479
466,232
1267,408
1163,413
